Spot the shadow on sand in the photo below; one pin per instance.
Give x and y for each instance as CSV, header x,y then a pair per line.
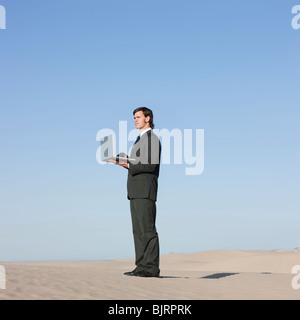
x,y
211,276
218,275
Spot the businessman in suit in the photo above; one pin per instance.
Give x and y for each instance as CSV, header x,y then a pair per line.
x,y
142,186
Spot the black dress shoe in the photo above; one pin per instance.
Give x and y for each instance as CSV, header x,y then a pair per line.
x,y
130,273
146,274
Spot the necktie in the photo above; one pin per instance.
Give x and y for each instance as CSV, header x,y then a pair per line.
x,y
137,139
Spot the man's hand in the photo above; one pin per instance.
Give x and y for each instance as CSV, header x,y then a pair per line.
x,y
120,163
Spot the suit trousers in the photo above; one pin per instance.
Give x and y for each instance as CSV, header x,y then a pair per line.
x,y
146,243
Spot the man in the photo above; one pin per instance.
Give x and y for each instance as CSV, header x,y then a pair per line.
x,y
142,185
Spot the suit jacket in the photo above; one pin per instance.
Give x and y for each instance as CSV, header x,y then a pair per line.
x,y
142,182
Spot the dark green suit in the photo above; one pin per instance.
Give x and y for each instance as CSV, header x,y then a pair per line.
x,y
142,186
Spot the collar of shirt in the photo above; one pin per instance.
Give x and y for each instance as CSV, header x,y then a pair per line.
x,y
144,131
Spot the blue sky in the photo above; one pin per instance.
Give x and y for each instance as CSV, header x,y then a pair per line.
x,y
70,68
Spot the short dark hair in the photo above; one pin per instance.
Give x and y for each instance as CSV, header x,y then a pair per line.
x,y
147,113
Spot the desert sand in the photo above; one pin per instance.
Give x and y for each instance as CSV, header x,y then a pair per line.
x,y
210,275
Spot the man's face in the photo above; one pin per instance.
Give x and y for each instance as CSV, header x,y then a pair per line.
x,y
141,122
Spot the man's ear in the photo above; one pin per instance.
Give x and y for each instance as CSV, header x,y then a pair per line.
x,y
148,119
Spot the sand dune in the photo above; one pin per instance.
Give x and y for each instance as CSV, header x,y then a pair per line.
x,y
223,274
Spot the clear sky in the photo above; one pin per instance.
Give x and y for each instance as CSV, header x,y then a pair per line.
x,y
71,68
